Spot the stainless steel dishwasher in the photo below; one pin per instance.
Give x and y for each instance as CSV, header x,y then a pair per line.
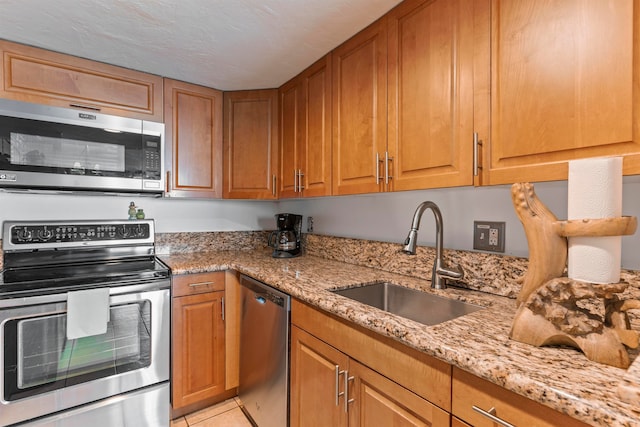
x,y
264,353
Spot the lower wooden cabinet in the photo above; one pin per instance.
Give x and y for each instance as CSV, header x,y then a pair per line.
x,y
329,387
198,338
378,401
470,391
316,382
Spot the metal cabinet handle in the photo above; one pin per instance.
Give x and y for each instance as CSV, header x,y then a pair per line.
x,y
476,148
167,183
273,188
195,285
491,414
338,393
377,168
295,180
387,159
347,378
222,304
300,175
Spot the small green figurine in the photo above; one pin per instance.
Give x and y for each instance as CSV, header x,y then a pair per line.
x,y
132,210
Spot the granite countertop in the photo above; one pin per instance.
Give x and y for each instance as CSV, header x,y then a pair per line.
x,y
561,378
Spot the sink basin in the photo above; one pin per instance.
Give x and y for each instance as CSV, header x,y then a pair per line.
x,y
422,307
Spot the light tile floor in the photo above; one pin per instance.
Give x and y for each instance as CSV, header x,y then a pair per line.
x,y
223,414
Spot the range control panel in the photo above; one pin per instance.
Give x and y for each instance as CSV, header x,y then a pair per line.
x,y
63,234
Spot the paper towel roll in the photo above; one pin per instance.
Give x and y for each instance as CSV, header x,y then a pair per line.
x,y
595,191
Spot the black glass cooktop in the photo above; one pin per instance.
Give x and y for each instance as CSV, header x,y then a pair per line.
x,y
45,279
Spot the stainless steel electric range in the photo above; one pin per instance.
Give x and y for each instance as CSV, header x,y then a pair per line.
x,y
84,325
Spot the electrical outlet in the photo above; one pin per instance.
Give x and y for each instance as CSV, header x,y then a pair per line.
x,y
309,224
488,236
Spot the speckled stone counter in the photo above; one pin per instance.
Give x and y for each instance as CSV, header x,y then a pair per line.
x,y
560,378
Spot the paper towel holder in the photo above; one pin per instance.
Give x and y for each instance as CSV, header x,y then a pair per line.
x,y
548,313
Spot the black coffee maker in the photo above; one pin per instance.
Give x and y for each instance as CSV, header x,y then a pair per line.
x,y
285,241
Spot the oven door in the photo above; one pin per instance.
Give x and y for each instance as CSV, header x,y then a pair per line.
x,y
44,372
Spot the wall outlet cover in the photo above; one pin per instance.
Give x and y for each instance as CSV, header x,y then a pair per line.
x,y
489,236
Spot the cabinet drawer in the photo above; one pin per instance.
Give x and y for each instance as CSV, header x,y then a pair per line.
x,y
469,391
197,283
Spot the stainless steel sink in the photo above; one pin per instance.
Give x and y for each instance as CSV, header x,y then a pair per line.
x,y
422,307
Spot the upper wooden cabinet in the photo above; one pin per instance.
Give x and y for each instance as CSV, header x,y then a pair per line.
x,y
40,76
430,86
193,135
305,133
250,144
403,101
360,111
564,84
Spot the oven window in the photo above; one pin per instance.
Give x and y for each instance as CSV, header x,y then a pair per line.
x,y
44,359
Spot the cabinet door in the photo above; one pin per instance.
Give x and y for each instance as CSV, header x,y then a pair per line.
x,y
305,133
37,75
360,111
198,348
250,144
291,136
316,382
315,157
564,84
377,401
430,102
193,134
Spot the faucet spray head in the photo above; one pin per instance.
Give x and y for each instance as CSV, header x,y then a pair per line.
x,y
409,247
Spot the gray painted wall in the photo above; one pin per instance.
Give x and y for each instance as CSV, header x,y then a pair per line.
x,y
385,217
170,215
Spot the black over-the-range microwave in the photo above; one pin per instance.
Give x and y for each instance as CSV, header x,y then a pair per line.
x,y
63,149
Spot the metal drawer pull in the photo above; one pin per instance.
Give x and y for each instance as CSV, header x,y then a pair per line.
x,y
347,378
194,285
491,414
338,393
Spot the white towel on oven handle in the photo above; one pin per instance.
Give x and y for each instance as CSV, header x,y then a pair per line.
x,y
87,312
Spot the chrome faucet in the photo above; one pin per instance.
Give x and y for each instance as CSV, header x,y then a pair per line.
x,y
440,271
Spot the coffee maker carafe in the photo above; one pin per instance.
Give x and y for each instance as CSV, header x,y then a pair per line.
x,y
285,241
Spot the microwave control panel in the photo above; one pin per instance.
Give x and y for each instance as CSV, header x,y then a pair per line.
x,y
152,158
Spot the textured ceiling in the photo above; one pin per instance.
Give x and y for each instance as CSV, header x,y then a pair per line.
x,y
225,44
